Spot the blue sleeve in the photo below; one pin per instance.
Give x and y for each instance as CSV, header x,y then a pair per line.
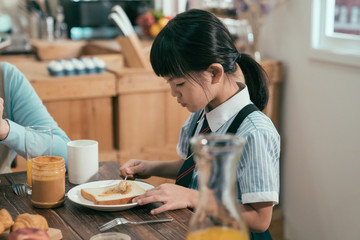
x,y
258,169
24,108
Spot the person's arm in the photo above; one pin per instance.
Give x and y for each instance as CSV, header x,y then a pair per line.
x,y
25,108
258,177
257,216
135,168
167,169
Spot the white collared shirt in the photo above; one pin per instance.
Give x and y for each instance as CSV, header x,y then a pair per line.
x,y
258,169
221,114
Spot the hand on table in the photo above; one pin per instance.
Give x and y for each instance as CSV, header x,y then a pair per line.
x,y
172,196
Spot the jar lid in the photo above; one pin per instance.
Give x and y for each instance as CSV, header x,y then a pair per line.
x,y
48,162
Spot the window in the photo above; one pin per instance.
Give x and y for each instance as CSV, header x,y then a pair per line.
x,y
335,33
345,17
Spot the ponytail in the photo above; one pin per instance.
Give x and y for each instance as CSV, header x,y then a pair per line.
x,y
255,79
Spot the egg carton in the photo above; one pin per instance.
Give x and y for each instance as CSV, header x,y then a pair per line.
x,y
76,66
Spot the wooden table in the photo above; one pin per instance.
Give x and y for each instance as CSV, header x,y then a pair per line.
x,y
78,222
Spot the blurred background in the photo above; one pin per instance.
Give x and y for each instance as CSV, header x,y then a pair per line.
x,y
317,43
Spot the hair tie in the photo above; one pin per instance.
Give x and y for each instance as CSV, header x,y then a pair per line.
x,y
238,56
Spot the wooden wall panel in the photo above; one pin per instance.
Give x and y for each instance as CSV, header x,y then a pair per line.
x,y
274,71
141,119
85,119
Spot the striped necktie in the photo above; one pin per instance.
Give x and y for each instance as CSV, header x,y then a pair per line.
x,y
185,174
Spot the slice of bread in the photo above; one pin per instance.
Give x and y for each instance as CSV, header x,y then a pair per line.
x,y
112,195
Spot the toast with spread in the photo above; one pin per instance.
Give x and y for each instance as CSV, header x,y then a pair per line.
x,y
113,194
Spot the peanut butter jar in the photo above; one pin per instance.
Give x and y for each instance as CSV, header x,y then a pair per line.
x,y
48,182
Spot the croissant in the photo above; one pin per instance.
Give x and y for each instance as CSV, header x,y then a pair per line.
x,y
2,228
5,219
30,220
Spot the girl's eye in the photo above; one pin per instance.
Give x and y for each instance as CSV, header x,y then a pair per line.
x,y
180,84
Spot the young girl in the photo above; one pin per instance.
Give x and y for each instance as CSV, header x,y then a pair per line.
x,y
220,86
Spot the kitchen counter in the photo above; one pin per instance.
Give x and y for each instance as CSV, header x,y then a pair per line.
x,y
51,88
82,105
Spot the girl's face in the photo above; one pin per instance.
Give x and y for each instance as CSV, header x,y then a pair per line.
x,y
191,94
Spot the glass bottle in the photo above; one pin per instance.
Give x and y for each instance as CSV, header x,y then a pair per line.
x,y
217,215
38,142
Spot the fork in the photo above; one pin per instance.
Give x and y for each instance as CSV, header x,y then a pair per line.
x,y
18,188
118,221
123,184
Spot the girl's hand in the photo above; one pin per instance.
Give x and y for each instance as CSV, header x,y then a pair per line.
x,y
135,168
172,196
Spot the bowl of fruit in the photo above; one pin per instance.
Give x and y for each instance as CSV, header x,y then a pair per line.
x,y
152,22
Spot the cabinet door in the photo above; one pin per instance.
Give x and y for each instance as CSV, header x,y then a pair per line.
x,y
86,119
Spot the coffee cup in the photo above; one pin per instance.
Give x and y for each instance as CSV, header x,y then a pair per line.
x,y
83,161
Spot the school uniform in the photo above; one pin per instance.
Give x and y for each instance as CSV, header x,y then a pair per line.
x,y
258,168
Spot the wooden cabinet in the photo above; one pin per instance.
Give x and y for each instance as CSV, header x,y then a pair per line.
x,y
147,117
81,105
274,71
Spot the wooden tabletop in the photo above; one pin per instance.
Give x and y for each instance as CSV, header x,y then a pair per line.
x,y
78,222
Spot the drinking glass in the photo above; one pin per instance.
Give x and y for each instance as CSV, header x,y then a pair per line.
x,y
38,142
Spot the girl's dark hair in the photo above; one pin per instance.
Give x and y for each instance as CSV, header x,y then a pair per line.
x,y
194,40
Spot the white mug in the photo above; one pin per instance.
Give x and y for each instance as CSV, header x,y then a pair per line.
x,y
83,161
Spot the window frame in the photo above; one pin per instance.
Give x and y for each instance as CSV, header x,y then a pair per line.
x,y
329,46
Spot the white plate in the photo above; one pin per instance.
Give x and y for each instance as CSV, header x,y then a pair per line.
x,y
74,195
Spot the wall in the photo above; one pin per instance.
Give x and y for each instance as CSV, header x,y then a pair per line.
x,y
320,132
